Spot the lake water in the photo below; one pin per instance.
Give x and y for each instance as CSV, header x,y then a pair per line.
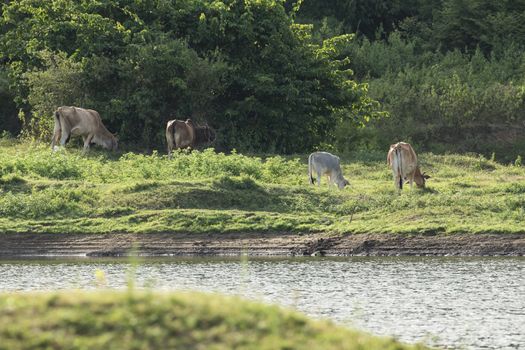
x,y
466,303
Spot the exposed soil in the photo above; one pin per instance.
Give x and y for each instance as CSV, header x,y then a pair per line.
x,y
260,244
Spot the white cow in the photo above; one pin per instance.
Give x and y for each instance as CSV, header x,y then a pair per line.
x,y
324,163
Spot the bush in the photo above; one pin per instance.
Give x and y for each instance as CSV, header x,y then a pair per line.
x,y
454,101
243,66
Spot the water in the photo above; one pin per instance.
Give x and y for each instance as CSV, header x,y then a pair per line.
x,y
470,303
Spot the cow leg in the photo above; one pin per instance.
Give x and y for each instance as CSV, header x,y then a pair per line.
x,y
410,181
55,139
398,182
64,138
318,179
87,142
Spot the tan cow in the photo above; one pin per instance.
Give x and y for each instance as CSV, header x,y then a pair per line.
x,y
403,161
185,134
83,122
180,134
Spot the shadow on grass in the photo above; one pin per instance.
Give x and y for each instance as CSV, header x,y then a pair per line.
x,y
429,190
227,193
15,184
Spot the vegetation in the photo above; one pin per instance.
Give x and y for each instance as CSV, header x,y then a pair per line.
x,y
243,66
66,192
450,73
274,76
141,320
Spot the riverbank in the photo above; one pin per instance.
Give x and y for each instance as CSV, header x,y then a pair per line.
x,y
223,199
259,244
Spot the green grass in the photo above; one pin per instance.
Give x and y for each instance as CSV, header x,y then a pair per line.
x,y
144,320
66,192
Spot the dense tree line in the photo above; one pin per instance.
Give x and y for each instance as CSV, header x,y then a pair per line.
x,y
274,76
241,65
451,73
437,24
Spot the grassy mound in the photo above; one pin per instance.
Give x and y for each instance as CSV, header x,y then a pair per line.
x,y
66,192
113,320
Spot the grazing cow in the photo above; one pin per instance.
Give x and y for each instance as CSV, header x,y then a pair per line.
x,y
403,161
185,134
84,122
324,163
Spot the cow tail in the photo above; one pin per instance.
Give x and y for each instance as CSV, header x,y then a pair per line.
x,y
399,168
311,178
57,131
58,127
170,136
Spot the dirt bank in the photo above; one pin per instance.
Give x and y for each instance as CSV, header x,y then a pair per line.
x,y
263,244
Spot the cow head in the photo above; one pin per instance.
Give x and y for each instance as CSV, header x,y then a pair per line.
x,y
108,141
342,183
114,143
419,178
210,133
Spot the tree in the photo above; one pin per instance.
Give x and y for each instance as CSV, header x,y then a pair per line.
x,y
241,65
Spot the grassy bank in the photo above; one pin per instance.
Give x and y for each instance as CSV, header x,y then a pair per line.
x,y
112,320
66,192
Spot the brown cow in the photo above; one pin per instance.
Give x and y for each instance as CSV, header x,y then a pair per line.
x,y
403,161
84,122
185,134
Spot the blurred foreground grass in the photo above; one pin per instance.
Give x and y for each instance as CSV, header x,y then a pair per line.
x,y
146,320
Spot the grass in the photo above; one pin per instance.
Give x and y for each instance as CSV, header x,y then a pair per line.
x,y
145,320
66,192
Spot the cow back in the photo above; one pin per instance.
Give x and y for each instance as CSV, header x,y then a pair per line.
x,y
325,161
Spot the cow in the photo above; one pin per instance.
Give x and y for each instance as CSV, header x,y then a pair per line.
x,y
84,122
403,161
185,134
324,163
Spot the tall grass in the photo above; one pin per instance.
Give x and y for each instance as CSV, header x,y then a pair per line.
x,y
66,192
37,161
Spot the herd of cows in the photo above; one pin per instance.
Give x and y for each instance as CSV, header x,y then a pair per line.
x,y
76,121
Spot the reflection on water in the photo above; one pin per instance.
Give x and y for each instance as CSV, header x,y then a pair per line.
x,y
470,303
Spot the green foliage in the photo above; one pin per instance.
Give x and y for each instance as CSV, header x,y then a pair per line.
x,y
8,113
46,202
453,101
60,84
364,17
243,66
449,73
444,25
142,320
467,24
